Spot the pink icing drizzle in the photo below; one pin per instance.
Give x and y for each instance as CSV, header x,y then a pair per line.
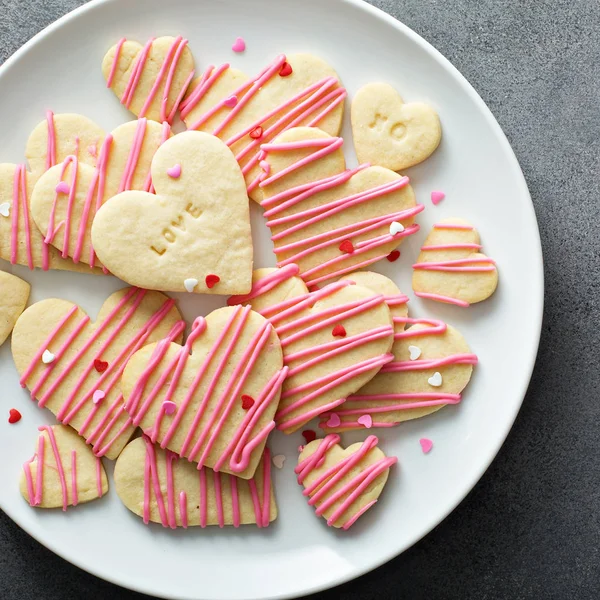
x,y
51,143
322,490
35,498
113,68
20,202
168,514
74,477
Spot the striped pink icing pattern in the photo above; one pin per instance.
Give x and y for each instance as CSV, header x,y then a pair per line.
x,y
198,445
315,102
167,509
300,327
79,399
303,219
322,491
51,143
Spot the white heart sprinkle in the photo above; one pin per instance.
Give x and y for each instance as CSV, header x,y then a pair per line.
x,y
396,227
47,357
5,209
190,284
435,380
278,460
415,352
98,396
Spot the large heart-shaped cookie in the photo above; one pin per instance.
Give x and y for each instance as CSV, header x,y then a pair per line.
x,y
160,487
13,299
327,220
389,133
244,112
343,484
432,366
150,80
63,471
50,143
67,196
197,227
334,340
73,366
211,401
451,267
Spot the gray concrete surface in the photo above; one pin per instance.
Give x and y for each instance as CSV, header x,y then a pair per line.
x,y
531,528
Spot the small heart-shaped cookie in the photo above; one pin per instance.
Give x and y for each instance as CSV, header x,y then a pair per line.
x,y
128,320
160,487
324,367
300,89
49,144
197,226
327,220
432,365
388,132
451,267
232,354
67,196
63,471
150,80
343,484
13,299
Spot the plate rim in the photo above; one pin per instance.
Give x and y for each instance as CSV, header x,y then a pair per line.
x,y
537,309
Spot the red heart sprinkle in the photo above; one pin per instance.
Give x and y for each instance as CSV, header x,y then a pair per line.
x,y
347,247
309,435
313,288
339,331
212,280
247,402
393,255
14,416
100,365
256,133
286,69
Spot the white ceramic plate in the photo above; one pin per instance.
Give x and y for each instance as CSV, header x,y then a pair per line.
x,y
60,69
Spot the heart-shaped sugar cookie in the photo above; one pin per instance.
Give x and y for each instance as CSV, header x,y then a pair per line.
x,y
50,143
196,227
160,487
67,196
73,378
327,220
13,299
432,365
451,267
334,340
63,471
225,385
343,484
244,112
388,132
150,80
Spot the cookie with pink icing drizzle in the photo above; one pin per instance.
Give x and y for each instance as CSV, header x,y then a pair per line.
x,y
292,91
73,366
66,197
161,487
327,219
225,383
451,267
426,353
63,471
343,485
150,80
55,138
334,340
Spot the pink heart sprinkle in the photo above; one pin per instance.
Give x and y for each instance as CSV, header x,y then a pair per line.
x,y
426,445
97,396
366,421
239,45
62,188
230,102
174,171
265,166
437,197
169,407
333,421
